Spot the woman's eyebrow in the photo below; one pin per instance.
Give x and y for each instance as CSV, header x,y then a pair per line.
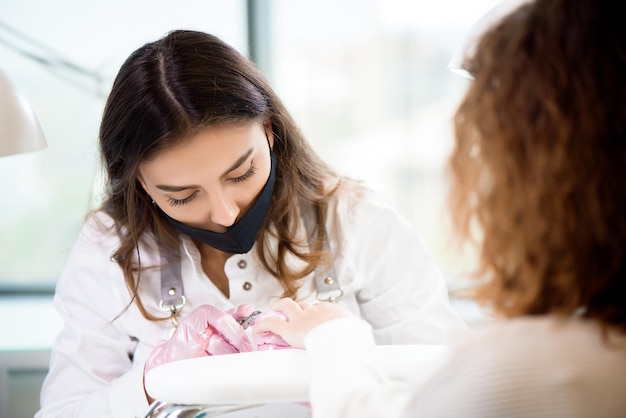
x,y
167,188
239,162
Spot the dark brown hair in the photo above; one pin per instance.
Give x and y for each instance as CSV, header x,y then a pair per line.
x,y
540,161
172,88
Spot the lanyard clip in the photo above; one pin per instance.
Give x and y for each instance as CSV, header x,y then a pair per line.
x,y
328,289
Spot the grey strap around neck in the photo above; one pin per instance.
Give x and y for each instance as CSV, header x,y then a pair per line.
x,y
172,292
173,296
326,280
328,286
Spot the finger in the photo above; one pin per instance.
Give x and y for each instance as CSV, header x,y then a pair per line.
x,y
271,324
288,307
304,305
242,311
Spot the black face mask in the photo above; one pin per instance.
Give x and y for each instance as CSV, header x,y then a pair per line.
x,y
241,236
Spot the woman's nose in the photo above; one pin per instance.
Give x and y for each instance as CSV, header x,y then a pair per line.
x,y
224,211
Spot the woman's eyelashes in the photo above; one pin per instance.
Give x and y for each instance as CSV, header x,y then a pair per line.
x,y
245,176
179,202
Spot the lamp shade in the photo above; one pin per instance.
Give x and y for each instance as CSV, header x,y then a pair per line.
x,y
478,29
20,130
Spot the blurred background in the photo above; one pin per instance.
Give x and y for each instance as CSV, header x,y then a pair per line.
x,y
366,80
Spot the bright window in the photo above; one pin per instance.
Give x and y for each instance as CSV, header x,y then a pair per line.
x,y
44,196
367,80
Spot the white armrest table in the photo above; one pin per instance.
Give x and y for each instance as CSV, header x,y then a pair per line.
x,y
232,384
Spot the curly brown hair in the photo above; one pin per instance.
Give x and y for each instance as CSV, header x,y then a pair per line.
x,y
539,164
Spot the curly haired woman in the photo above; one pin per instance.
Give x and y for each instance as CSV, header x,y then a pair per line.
x,y
538,182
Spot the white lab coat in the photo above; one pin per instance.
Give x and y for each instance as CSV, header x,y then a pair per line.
x,y
384,268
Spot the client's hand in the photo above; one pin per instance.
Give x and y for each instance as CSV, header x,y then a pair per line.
x,y
301,318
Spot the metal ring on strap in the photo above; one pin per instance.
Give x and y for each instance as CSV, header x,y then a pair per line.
x,y
328,288
173,308
332,298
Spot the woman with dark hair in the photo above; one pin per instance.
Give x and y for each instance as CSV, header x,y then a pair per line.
x,y
214,197
538,182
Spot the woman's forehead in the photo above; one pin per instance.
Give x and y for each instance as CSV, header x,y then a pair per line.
x,y
213,149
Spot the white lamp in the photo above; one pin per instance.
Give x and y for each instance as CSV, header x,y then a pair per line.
x,y
489,20
20,130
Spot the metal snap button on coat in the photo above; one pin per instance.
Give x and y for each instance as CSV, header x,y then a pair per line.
x,y
247,286
242,264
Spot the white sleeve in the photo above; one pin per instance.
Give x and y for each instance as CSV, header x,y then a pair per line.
x,y
403,294
344,380
502,371
91,369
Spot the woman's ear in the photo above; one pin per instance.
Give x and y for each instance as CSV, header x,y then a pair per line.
x,y
143,184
